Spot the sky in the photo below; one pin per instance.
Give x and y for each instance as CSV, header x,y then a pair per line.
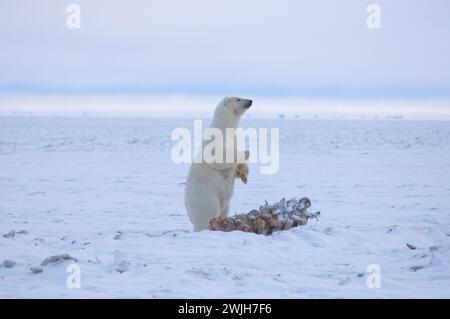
x,y
320,48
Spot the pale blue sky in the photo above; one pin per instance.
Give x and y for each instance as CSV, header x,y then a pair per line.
x,y
296,48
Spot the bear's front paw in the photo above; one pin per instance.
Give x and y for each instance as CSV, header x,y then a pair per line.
x,y
242,172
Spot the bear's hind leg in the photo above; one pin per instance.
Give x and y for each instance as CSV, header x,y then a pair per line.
x,y
207,209
225,212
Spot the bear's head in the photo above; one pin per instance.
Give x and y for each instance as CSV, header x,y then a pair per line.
x,y
229,111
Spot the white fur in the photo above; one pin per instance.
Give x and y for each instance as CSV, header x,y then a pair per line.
x,y
209,186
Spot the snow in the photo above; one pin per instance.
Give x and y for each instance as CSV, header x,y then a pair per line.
x,y
105,191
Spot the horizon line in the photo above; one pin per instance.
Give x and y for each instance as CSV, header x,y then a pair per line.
x,y
337,92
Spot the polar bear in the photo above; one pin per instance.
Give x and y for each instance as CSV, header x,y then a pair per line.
x,y
209,185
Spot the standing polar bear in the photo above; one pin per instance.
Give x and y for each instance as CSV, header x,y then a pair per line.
x,y
210,184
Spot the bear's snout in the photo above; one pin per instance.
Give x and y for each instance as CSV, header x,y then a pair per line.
x,y
248,104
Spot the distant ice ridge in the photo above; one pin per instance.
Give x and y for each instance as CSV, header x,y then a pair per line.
x,y
202,106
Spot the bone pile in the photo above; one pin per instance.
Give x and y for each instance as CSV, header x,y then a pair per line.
x,y
281,215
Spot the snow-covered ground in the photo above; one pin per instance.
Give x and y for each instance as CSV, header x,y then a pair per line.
x,y
106,192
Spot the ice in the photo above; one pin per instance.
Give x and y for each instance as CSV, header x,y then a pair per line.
x,y
105,191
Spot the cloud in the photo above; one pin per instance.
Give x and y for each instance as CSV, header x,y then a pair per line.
x,y
258,44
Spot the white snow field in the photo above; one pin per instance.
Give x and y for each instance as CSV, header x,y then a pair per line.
x,y
105,191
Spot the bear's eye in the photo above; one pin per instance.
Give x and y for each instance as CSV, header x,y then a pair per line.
x,y
239,100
